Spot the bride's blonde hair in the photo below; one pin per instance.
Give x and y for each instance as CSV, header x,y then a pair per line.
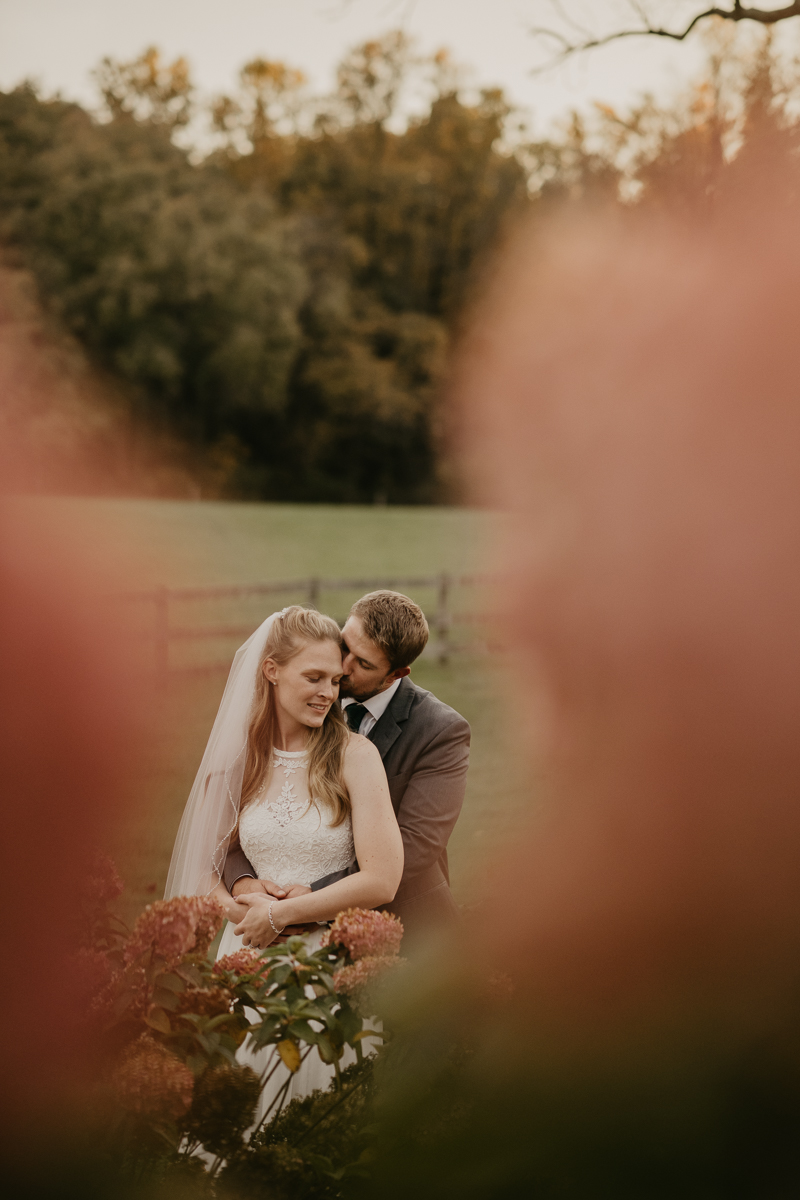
x,y
291,630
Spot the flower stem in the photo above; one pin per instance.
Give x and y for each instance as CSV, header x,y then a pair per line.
x,y
282,1093
342,1097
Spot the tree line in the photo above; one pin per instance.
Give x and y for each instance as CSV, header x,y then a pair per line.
x,y
278,288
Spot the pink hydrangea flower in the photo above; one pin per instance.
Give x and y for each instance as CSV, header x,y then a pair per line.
x,y
96,971
357,975
366,934
209,922
103,884
205,1002
242,962
151,1082
136,982
97,983
174,928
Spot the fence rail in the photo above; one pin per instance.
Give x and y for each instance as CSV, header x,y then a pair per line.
x,y
162,632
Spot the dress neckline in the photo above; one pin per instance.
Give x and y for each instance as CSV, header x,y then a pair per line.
x,y
289,753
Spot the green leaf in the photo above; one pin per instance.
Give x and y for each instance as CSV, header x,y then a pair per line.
x,y
276,1008
171,982
122,1002
324,1166
349,1023
158,1019
327,1051
219,1019
303,1030
313,1010
290,1053
168,1131
262,1034
296,943
190,974
165,999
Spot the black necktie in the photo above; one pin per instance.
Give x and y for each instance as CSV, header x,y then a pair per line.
x,y
355,715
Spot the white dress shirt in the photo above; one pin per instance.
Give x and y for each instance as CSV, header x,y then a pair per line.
x,y
376,706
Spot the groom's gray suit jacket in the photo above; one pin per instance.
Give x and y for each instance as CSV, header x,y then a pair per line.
x,y
424,745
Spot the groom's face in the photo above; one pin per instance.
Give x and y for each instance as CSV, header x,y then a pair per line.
x,y
365,668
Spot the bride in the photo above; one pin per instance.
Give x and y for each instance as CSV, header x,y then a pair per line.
x,y
284,777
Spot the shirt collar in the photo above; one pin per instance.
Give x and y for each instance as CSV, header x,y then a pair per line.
x,y
376,705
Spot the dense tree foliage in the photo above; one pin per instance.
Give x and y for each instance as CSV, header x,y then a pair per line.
x,y
282,301
286,296
176,280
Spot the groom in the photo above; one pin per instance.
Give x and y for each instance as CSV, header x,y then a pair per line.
x,y
424,745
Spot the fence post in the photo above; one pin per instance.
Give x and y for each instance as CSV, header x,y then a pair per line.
x,y
161,597
313,592
443,617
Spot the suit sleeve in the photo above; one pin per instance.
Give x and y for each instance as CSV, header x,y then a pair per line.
x,y
237,864
433,798
334,877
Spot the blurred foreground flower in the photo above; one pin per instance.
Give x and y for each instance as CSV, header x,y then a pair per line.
x,y
171,929
95,972
152,1082
629,398
224,1107
367,934
242,962
103,883
205,1001
357,975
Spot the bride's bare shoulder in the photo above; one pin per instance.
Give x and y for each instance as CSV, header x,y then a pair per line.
x,y
363,770
360,751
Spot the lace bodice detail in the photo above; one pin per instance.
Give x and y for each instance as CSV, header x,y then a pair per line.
x,y
286,836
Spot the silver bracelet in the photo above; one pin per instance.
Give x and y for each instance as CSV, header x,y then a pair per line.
x,y
275,929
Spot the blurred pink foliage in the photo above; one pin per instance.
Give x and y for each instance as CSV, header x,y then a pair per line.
x,y
151,1082
366,970
242,962
629,397
366,934
103,884
171,929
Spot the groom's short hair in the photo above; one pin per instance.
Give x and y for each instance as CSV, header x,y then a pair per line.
x,y
394,623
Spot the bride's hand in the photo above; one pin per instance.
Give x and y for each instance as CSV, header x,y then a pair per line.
x,y
255,927
234,910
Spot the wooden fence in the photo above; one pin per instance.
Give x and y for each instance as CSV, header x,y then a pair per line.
x,y
163,633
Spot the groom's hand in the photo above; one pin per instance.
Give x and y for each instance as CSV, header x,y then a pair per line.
x,y
246,885
296,889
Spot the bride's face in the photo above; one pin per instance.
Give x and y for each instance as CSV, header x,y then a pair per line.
x,y
307,685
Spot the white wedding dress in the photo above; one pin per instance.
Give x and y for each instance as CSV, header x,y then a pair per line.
x,y
290,839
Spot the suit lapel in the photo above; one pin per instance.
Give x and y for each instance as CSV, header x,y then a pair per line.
x,y
387,730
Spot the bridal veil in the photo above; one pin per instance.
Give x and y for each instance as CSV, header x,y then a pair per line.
x,y
212,809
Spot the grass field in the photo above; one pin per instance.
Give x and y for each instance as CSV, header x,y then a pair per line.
x,y
198,544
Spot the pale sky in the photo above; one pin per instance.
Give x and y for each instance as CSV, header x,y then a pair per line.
x,y
57,42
